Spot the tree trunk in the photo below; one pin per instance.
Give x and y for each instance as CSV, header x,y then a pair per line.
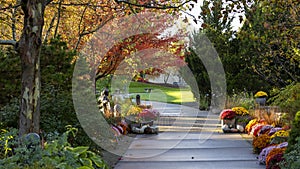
x,y
29,49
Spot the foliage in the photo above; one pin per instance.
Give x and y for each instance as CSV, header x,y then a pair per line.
x,y
57,62
56,100
204,102
9,114
24,22
288,99
292,157
103,83
74,20
295,133
10,75
241,99
217,26
56,153
6,145
120,57
199,72
269,40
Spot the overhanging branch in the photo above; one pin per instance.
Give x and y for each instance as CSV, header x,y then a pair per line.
x,y
155,5
8,42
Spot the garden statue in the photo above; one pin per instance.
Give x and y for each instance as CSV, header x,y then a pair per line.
x,y
117,110
104,103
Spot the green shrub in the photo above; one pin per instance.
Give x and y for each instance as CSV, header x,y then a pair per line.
x,y
292,158
295,133
9,114
57,153
10,75
288,99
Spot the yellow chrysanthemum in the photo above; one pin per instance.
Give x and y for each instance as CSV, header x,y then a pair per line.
x,y
261,94
250,124
281,133
134,110
261,141
240,111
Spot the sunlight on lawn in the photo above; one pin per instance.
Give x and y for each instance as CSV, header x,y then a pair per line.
x,y
162,93
181,96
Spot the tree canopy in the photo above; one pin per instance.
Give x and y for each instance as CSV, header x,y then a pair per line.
x,y
26,25
269,40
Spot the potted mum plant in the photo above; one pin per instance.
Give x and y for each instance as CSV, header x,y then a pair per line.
x,y
261,98
228,123
242,117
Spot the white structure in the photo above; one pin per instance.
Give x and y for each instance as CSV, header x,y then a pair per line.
x,y
169,78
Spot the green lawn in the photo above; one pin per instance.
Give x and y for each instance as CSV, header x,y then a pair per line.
x,y
161,93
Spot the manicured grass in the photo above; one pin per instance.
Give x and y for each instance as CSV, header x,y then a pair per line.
x,y
161,93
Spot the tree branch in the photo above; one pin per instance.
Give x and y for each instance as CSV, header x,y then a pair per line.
x,y
8,42
47,2
10,7
58,18
49,29
98,27
155,5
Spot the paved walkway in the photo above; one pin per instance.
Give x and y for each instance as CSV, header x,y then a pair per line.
x,y
189,139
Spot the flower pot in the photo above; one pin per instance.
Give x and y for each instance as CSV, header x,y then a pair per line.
x,y
229,122
261,101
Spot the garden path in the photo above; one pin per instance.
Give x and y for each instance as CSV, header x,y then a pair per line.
x,y
189,139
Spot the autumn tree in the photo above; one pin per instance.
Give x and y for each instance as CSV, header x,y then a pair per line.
x,y
124,50
25,21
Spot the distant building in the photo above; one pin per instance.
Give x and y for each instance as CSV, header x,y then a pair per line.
x,y
173,78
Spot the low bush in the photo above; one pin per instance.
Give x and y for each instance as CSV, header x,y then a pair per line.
x,y
9,114
288,99
57,152
292,158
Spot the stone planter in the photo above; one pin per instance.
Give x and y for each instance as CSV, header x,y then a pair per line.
x,y
230,125
261,101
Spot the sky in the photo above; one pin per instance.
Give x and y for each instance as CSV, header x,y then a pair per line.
x,y
196,11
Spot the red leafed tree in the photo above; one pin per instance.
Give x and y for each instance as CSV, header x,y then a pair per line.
x,y
171,54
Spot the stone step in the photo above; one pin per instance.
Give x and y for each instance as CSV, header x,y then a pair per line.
x,y
190,136
236,164
189,129
187,144
190,154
